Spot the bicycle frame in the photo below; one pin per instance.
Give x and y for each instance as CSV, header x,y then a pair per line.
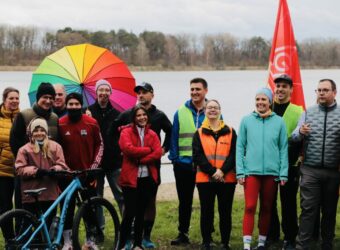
x,y
67,195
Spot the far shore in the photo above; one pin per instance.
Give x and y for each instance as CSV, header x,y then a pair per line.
x,y
10,68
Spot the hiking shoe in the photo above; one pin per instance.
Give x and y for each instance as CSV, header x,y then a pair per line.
x,y
182,239
147,243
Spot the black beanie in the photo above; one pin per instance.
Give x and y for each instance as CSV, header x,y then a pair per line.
x,y
74,95
45,88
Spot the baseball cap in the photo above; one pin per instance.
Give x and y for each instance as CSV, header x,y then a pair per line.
x,y
144,85
285,78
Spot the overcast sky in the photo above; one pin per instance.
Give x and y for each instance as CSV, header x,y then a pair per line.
x,y
241,18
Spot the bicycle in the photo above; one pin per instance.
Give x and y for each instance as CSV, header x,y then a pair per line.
x,y
32,232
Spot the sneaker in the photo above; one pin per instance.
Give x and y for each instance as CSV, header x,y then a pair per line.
x,y
288,245
128,245
182,239
67,246
89,245
147,243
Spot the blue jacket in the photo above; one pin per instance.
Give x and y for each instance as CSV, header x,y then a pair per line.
x,y
262,147
173,152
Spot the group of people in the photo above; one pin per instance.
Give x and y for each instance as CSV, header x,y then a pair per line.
x,y
277,145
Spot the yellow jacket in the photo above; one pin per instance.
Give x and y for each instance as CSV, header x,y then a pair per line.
x,y
6,156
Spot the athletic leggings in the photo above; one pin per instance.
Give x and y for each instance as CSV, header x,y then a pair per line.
x,y
266,187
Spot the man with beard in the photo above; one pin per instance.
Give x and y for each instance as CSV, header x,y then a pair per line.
x,y
291,114
59,106
159,122
81,141
18,135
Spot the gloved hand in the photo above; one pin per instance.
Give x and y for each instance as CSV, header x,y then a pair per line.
x,y
30,171
41,172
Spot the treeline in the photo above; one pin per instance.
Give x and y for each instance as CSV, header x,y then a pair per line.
x,y
29,45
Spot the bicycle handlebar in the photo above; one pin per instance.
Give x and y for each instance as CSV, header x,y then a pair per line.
x,y
83,173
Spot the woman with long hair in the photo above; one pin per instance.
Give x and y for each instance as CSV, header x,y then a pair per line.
x,y
141,150
8,110
261,163
214,148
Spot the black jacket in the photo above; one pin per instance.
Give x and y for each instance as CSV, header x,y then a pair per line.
x,y
158,121
106,119
18,136
201,160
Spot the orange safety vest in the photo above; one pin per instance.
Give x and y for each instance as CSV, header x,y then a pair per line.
x,y
216,153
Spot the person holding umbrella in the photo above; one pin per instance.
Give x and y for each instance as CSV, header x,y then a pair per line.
x,y
214,149
261,162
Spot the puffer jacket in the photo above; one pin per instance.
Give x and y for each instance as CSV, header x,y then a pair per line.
x,y
6,155
27,158
322,145
262,147
134,154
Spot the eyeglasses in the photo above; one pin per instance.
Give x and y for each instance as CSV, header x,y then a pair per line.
x,y
213,107
319,91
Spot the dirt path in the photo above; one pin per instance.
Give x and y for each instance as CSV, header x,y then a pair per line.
x,y
167,192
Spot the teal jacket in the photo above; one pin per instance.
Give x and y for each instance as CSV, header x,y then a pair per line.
x,y
262,147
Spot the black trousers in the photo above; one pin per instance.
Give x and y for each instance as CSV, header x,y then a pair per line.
x,y
136,200
225,196
319,188
6,202
289,222
185,185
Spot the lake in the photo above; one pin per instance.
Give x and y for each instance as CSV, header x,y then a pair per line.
x,y
235,90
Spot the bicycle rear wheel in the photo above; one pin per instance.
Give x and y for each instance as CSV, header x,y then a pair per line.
x,y
17,226
87,228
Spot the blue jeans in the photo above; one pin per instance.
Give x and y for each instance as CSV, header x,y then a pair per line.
x,y
112,177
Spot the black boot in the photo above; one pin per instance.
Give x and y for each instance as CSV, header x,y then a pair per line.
x,y
182,239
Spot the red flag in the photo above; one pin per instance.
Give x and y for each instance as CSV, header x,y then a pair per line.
x,y
283,56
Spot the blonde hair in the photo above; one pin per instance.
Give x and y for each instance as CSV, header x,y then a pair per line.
x,y
45,150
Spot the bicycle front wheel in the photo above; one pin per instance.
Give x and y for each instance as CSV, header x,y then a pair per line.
x,y
89,229
17,226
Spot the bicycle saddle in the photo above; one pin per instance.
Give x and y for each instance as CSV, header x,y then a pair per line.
x,y
34,192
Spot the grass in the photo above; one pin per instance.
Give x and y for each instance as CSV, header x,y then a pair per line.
x,y
166,223
165,227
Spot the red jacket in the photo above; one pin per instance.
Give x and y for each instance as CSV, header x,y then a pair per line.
x,y
81,142
134,154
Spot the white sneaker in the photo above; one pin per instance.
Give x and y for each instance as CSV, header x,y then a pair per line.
x,y
67,246
90,245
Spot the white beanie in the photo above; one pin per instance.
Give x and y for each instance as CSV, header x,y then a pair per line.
x,y
38,122
102,82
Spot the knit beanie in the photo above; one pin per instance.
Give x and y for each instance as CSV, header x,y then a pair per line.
x,y
74,95
266,91
45,88
36,123
102,82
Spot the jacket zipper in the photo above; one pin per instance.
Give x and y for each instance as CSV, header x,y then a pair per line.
x,y
324,139
263,146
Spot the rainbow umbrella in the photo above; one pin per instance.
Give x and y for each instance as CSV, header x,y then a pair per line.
x,y
79,67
